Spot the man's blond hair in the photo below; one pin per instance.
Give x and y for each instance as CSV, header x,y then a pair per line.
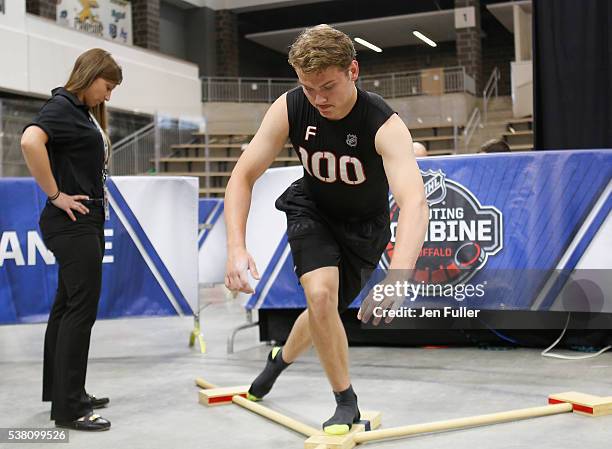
x,y
320,47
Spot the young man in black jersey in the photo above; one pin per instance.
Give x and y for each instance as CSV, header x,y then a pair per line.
x,y
353,148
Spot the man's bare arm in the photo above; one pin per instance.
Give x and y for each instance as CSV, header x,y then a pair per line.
x,y
258,156
394,144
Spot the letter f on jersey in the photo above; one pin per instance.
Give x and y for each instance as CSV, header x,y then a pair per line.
x,y
310,131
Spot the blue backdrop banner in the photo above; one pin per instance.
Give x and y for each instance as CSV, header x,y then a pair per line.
x,y
517,225
150,260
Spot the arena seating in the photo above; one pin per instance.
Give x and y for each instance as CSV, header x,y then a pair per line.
x,y
212,157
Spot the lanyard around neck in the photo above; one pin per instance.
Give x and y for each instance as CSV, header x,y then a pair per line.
x,y
105,169
104,139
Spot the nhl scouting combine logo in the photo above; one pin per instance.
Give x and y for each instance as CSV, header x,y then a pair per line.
x,y
462,233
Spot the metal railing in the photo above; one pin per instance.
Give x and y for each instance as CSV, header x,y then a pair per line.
x,y
135,135
245,90
470,128
17,113
489,90
388,85
139,153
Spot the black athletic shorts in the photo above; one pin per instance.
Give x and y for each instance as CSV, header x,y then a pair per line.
x,y
319,240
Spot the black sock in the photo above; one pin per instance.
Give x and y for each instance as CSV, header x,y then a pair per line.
x,y
275,365
347,411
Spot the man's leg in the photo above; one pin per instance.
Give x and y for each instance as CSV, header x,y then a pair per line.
x,y
329,337
300,339
312,247
321,325
326,329
298,342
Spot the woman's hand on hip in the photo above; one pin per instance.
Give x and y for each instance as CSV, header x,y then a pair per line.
x,y
68,203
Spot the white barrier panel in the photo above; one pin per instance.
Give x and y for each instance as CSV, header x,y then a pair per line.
x,y
166,209
150,264
265,228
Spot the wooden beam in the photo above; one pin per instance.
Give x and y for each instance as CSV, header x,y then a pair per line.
x,y
277,417
584,404
460,423
202,383
221,396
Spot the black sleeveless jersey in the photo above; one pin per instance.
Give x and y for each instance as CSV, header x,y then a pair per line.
x,y
343,173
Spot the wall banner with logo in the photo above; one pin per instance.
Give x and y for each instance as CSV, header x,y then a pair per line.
x,y
111,19
150,264
516,224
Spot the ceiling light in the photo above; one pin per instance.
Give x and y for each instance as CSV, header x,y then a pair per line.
x,y
424,38
367,44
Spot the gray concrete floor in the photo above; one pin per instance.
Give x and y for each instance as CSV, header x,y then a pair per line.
x,y
146,368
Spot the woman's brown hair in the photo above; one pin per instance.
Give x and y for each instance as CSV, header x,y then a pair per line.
x,y
89,66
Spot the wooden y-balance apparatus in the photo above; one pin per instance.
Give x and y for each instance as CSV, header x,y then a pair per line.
x,y
212,395
584,404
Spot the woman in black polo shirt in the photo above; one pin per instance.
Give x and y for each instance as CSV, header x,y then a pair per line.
x,y
66,149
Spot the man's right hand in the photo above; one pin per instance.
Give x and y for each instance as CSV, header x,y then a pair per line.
x,y
236,277
68,202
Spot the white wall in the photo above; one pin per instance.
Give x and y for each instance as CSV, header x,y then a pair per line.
x,y
13,47
236,118
37,55
522,88
522,33
434,110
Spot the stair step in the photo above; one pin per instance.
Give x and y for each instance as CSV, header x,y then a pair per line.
x,y
519,133
522,120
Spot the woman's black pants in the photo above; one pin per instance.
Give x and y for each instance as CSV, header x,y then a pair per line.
x,y
78,248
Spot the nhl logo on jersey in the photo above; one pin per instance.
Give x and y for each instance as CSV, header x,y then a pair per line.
x,y
351,140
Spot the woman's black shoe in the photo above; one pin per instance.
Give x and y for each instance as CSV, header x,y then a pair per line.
x,y
97,402
88,422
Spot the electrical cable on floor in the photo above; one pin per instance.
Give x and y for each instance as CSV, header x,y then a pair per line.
x,y
503,337
546,353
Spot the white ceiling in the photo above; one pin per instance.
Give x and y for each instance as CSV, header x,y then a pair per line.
x,y
384,32
503,12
